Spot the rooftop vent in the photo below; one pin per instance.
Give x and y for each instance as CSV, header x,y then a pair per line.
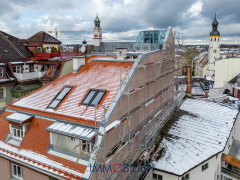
x,y
121,53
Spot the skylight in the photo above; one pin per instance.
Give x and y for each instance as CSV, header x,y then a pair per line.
x,y
60,96
93,97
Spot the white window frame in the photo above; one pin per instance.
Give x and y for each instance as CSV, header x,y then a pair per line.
x,y
18,173
18,69
88,146
19,133
2,92
1,71
53,69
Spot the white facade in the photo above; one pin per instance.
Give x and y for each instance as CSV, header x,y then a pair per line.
x,y
97,36
213,53
225,70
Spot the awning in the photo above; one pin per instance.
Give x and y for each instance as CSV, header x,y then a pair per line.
x,y
19,118
26,87
72,130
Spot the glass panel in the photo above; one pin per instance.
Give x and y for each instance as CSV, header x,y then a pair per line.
x,y
63,93
97,98
19,174
14,170
15,132
54,103
89,97
1,71
21,134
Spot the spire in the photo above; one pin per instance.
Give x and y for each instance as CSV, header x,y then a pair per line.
x,y
214,31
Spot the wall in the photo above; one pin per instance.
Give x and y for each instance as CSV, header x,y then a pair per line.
x,y
29,174
5,169
225,70
67,68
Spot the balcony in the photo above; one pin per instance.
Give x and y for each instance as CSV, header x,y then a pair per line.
x,y
38,56
230,172
29,75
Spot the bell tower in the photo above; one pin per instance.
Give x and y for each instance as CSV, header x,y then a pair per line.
x,y
214,47
97,32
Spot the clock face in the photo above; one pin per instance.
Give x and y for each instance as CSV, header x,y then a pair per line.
x,y
83,49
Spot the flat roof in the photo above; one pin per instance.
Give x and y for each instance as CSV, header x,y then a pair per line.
x,y
198,131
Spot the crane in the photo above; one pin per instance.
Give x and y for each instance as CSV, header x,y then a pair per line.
x,y
57,32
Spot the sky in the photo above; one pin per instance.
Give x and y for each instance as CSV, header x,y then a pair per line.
x,y
121,20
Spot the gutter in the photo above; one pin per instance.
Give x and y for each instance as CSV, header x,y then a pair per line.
x,y
32,167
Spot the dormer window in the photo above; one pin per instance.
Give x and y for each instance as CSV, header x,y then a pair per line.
x,y
18,125
93,97
17,69
60,96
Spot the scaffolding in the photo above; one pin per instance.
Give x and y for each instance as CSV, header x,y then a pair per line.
x,y
147,101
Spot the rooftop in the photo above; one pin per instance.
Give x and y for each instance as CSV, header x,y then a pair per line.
x,y
43,37
198,131
101,75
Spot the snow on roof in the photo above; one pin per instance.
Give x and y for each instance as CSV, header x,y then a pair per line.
x,y
72,130
37,160
18,117
200,130
94,75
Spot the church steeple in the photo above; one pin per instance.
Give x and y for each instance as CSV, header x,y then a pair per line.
x,y
214,31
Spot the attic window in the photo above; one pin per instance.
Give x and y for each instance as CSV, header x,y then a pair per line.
x,y
93,97
60,96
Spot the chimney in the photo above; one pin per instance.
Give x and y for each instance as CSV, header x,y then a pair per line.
x,y
238,80
78,61
121,53
189,80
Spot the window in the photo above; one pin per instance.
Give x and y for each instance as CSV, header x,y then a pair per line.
x,y
93,97
1,94
86,146
17,69
39,49
71,138
17,133
204,167
55,102
186,177
52,69
17,171
31,68
157,176
44,68
1,71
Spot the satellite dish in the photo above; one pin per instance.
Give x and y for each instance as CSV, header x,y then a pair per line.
x,y
83,49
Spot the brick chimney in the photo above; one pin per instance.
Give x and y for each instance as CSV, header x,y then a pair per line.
x,y
189,80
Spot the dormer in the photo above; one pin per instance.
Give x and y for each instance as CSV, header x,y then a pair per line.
x,y
18,125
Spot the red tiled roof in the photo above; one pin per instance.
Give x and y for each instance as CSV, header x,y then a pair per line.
x,y
37,140
95,74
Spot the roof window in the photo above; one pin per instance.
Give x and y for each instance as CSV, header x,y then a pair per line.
x,y
60,96
93,97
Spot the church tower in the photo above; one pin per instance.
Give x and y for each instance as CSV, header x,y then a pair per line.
x,y
97,32
214,48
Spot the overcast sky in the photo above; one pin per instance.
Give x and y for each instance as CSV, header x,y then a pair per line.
x,y
121,20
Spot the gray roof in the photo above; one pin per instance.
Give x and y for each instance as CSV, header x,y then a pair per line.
x,y
130,46
18,118
72,130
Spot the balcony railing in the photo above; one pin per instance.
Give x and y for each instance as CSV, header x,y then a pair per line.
x,y
231,172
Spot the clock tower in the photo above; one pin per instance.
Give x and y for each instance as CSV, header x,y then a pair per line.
x,y
97,32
